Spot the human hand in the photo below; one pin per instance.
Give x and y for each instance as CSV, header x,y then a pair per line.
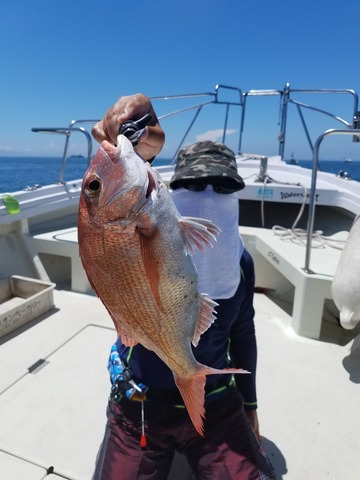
x,y
131,107
254,422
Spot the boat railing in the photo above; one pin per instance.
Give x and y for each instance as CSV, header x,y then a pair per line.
x,y
355,121
310,225
213,98
220,96
68,131
285,97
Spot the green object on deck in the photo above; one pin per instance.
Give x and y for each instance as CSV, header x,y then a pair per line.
x,y
11,204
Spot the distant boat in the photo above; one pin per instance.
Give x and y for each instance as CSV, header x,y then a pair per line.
x,y
347,160
76,156
293,160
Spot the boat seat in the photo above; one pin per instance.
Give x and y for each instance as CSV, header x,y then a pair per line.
x,y
64,243
288,258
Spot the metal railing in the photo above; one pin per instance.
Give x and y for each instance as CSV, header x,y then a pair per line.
x,y
214,99
355,122
240,101
285,98
310,224
67,131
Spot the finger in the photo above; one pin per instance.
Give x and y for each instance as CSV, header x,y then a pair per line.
x,y
151,142
126,108
98,133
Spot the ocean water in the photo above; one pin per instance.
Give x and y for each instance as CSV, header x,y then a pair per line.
x,y
17,173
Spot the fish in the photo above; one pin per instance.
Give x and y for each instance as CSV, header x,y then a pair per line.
x,y
345,284
136,250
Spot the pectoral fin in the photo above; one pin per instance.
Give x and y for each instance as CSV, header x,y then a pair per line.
x,y
198,233
151,259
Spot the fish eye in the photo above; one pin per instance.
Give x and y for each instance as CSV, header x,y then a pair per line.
x,y
93,186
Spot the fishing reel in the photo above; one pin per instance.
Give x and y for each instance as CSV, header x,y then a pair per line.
x,y
121,380
124,386
133,129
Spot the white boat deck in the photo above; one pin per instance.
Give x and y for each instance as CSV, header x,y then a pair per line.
x,y
285,255
52,417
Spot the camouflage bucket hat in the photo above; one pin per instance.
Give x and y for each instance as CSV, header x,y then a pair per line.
x,y
207,163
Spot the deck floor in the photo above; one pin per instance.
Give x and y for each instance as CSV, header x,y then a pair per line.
x,y
52,418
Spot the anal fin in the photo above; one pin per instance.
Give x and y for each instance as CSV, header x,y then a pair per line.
x,y
126,339
122,332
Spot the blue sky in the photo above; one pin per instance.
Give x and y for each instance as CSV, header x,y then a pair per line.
x,y
71,59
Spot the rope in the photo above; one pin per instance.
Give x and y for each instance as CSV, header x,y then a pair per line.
x,y
299,235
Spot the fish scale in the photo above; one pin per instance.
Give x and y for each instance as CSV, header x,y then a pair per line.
x,y
136,292
148,316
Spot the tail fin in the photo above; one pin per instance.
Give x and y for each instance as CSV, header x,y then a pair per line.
x,y
346,318
192,390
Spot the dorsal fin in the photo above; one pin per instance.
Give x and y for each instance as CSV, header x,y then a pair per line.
x,y
198,233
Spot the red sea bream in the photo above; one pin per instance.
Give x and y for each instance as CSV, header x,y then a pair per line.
x,y
136,250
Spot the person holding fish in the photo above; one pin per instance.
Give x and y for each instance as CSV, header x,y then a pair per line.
x,y
180,377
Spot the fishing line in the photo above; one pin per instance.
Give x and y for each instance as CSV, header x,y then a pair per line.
x,y
143,441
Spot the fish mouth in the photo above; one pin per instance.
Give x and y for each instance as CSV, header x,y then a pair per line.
x,y
139,180
148,187
151,184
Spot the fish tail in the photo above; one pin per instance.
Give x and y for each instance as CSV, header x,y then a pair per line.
x,y
192,390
